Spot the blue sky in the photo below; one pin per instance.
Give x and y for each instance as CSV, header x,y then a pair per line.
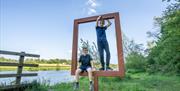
x,y
45,27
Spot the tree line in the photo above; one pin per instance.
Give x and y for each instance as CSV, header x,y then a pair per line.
x,y
39,61
163,52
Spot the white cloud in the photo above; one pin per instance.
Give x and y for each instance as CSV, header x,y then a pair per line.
x,y
91,6
91,11
92,3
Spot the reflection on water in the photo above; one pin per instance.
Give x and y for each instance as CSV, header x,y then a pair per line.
x,y
52,77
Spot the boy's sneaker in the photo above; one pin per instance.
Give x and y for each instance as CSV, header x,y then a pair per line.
x,y
108,68
101,69
91,87
76,85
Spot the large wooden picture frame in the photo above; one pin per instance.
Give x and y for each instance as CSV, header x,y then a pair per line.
x,y
96,74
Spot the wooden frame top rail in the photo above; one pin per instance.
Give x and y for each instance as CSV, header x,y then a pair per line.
x,y
93,18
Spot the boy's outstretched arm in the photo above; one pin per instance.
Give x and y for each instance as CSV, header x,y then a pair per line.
x,y
97,24
78,64
109,23
92,64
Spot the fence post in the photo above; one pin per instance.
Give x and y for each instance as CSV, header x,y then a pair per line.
x,y
20,68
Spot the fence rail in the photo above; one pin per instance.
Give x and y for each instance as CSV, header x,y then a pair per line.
x,y
17,64
17,75
18,53
20,66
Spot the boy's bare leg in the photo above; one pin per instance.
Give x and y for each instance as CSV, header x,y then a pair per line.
x,y
77,75
89,70
76,85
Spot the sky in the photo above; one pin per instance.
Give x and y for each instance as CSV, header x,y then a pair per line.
x,y
45,27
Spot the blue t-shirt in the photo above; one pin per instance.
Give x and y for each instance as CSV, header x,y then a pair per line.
x,y
85,60
101,33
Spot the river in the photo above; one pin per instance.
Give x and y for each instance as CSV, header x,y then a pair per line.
x,y
51,77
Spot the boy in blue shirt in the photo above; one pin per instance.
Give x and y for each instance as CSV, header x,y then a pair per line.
x,y
86,64
102,42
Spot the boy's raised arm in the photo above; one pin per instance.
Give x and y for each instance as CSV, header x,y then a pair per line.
x,y
97,21
109,23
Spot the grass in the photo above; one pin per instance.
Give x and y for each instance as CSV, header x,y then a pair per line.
x,y
132,82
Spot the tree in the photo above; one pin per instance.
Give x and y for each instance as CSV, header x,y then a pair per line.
x,y
165,55
135,59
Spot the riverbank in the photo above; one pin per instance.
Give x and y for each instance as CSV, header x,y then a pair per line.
x,y
40,68
45,67
132,82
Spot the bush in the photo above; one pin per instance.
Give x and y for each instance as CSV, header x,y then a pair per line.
x,y
135,62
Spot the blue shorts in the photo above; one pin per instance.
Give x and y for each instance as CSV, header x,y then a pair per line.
x,y
84,68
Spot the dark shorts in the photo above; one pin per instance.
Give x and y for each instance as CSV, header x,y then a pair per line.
x,y
84,68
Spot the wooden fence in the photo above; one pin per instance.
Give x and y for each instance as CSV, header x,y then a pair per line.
x,y
20,66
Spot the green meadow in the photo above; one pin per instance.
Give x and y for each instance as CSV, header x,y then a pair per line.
x,y
131,82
